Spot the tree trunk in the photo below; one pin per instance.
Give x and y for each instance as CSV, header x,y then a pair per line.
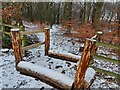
x,y
85,13
58,13
39,10
68,15
97,15
30,11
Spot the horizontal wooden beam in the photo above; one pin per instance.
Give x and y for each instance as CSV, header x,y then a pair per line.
x,y
106,72
63,57
113,46
32,46
8,33
31,32
107,59
49,76
7,25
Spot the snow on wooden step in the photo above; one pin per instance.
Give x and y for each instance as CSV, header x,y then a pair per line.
x,y
72,55
47,72
67,54
54,75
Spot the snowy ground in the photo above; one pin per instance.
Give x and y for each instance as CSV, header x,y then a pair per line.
x,y
10,78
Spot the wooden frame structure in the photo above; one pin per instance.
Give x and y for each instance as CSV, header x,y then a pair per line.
x,y
87,56
18,49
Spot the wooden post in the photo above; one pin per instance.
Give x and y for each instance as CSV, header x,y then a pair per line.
x,y
87,56
16,44
47,40
99,34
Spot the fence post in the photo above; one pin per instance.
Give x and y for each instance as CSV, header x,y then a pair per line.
x,y
99,34
47,40
16,44
87,56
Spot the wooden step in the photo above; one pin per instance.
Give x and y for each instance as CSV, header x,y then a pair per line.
x,y
51,77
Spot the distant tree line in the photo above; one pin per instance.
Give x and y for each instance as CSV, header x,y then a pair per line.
x,y
55,12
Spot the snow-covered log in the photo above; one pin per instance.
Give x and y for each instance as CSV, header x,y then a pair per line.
x,y
52,77
49,76
68,57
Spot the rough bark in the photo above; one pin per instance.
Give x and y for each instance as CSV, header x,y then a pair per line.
x,y
47,40
63,57
47,79
87,56
16,44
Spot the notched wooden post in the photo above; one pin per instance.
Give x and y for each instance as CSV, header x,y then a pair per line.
x,y
47,40
16,44
87,56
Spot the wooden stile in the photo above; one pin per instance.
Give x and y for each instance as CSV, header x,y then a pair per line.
x,y
16,44
87,56
47,40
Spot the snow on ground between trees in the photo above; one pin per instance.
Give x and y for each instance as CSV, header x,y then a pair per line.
x,y
10,78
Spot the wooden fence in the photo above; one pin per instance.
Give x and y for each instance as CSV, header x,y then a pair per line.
x,y
16,42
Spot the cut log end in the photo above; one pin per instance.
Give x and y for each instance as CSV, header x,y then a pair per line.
x,y
99,32
16,29
91,39
46,28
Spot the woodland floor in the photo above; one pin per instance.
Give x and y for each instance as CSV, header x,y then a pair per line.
x,y
10,78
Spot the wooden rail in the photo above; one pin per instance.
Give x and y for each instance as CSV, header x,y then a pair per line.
x,y
107,59
108,45
32,46
8,33
31,32
106,72
10,26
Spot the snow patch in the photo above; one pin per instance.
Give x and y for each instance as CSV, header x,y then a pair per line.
x,y
72,55
15,29
4,50
90,73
